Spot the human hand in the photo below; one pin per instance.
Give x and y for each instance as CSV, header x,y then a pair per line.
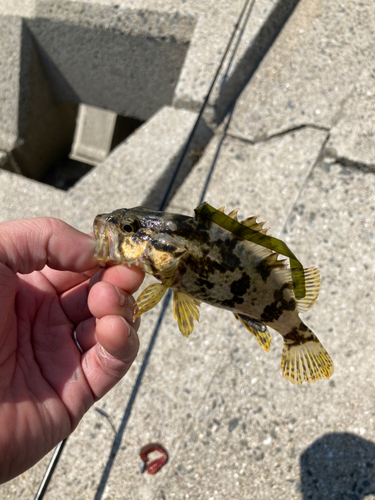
x,y
50,284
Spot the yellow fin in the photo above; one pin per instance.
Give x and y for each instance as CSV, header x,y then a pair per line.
x,y
305,360
263,337
185,310
312,285
149,298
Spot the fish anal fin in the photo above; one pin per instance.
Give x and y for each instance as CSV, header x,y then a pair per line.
x,y
263,337
305,360
312,285
149,298
185,311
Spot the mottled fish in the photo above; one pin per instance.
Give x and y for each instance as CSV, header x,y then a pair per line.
x,y
204,262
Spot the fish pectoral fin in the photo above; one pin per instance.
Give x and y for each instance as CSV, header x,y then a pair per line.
x,y
185,311
312,285
259,330
305,360
149,298
169,270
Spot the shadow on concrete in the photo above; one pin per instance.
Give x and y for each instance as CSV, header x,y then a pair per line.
x,y
338,466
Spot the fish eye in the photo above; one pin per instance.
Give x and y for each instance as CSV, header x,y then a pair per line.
x,y
129,227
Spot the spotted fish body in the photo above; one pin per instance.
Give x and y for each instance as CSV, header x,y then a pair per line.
x,y
203,262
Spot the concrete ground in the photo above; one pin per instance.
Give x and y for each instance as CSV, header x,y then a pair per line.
x,y
298,150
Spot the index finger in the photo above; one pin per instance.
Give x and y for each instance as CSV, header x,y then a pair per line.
x,y
28,245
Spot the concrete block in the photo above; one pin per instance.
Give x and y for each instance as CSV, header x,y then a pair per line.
x,y
351,140
21,197
124,60
34,128
12,100
138,171
22,8
310,70
127,61
259,26
93,135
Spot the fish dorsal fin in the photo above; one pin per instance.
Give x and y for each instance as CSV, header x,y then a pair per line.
x,y
252,223
263,337
149,298
222,209
185,311
312,285
272,261
233,214
304,359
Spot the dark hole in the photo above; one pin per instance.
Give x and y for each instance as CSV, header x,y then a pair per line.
x,y
124,127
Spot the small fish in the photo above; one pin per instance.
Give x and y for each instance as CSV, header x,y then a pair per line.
x,y
203,262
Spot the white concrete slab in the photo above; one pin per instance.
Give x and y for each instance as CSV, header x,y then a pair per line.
x,y
310,71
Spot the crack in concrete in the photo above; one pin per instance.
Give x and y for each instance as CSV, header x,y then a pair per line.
x,y
266,138
318,160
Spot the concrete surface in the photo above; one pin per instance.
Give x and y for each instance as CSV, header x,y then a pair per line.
x,y
310,71
24,8
234,428
352,141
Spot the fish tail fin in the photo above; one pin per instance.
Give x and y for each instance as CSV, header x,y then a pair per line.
x,y
304,359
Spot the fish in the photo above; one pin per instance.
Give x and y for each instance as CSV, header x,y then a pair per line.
x,y
201,261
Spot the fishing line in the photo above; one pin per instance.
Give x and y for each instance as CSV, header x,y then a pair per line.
x,y
165,200
230,113
225,76
115,446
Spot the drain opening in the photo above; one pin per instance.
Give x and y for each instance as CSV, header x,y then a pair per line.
x,y
122,60
72,166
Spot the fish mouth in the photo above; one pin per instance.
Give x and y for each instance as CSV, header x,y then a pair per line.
x,y
106,240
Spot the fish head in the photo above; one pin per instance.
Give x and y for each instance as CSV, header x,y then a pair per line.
x,y
139,237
